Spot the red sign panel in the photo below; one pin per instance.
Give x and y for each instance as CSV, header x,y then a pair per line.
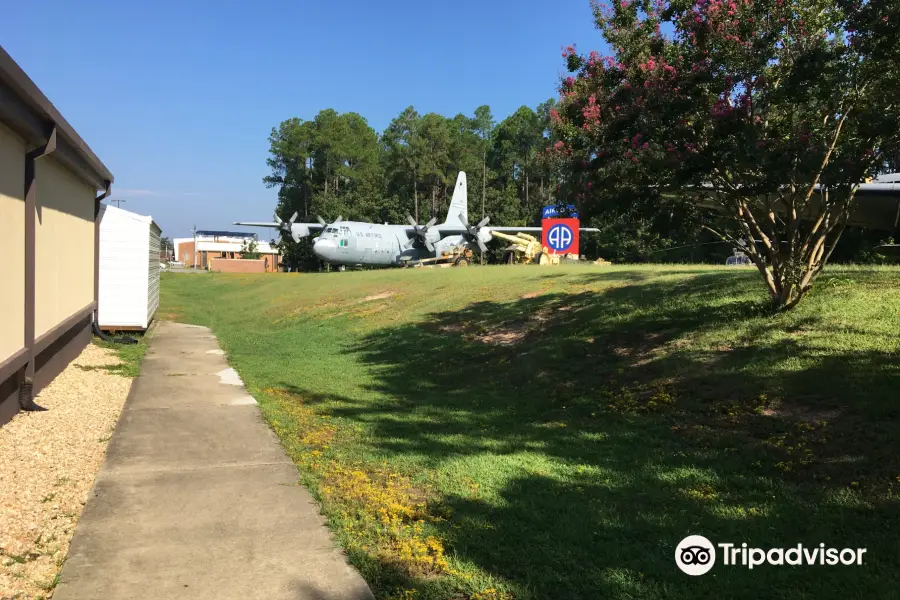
x,y
561,235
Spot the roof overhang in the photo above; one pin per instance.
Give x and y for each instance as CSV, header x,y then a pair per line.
x,y
226,234
262,247
28,112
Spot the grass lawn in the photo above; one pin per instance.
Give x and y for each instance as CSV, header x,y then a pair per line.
x,y
526,432
130,354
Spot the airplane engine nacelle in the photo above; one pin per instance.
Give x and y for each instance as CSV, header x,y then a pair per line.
x,y
299,230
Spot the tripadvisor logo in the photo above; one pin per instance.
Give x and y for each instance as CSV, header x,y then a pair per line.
x,y
696,555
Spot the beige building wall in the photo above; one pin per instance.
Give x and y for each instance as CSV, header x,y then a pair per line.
x,y
64,254
12,243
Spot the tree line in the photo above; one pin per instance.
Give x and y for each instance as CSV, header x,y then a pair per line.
x,y
337,165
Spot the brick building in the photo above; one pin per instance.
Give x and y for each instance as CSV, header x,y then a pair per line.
x,y
222,244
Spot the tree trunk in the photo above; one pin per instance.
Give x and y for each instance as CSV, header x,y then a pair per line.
x,y
416,195
483,179
788,272
483,187
433,206
527,206
305,203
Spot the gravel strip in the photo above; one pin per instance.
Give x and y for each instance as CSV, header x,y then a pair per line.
x,y
48,461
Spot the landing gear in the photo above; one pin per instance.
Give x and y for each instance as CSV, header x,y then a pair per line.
x,y
341,268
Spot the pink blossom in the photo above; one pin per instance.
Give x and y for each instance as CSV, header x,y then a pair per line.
x,y
722,108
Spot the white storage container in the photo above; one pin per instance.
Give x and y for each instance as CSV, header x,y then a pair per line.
x,y
129,269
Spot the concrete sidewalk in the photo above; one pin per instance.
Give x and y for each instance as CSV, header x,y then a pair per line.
x,y
196,498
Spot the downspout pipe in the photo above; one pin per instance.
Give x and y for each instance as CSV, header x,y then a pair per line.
x,y
26,383
106,338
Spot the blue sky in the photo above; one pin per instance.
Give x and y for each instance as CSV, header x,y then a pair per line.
x,y
177,98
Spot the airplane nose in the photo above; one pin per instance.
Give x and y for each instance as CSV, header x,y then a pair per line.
x,y
324,248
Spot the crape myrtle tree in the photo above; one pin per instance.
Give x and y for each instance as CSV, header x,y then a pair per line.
x,y
773,110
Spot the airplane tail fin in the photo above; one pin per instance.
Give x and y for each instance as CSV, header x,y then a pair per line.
x,y
459,203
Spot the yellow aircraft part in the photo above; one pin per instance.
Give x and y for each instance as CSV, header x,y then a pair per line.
x,y
548,259
525,248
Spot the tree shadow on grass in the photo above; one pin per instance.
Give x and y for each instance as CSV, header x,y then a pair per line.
x,y
605,435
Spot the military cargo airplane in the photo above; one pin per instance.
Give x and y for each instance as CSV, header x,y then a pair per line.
x,y
352,243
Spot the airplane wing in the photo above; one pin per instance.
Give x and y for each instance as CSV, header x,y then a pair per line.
x,y
527,229
446,230
297,230
273,225
255,224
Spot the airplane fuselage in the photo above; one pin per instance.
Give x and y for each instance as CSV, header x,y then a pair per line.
x,y
356,243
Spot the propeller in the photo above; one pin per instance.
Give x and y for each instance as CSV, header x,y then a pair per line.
x,y
324,224
287,226
420,233
474,231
